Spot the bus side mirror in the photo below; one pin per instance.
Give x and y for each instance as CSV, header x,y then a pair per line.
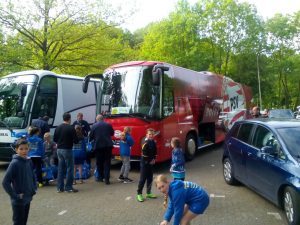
x,y
23,90
86,80
85,84
157,72
20,104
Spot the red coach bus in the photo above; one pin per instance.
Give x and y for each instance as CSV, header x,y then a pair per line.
x,y
174,101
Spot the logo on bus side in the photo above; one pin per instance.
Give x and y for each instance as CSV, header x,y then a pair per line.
x,y
4,134
117,133
211,112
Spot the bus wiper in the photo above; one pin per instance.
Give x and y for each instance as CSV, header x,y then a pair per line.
x,y
140,116
6,125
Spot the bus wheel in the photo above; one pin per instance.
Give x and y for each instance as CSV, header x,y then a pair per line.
x,y
190,147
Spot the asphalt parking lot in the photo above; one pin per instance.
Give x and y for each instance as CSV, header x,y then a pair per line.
x,y
97,203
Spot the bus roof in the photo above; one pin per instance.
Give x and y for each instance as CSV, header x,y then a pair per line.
x,y
135,63
42,73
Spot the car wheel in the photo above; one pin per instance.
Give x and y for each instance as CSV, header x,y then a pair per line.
x,y
228,172
291,205
190,147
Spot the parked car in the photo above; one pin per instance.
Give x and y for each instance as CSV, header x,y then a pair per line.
x,y
264,155
281,113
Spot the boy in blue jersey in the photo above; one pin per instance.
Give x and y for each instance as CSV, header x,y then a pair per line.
x,y
36,152
186,200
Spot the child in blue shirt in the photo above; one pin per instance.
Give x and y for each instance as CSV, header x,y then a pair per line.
x,y
19,182
36,152
177,166
125,147
186,200
79,152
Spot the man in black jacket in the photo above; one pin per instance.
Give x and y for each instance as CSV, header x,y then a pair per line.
x,y
42,124
65,136
84,124
101,133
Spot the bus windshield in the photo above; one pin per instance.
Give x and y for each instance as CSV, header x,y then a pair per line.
x,y
16,94
130,91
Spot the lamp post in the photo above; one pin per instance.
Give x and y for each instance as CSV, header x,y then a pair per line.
x,y
258,78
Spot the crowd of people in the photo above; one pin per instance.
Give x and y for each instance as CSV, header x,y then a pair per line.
x,y
67,151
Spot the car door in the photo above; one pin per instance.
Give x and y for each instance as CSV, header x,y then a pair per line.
x,y
238,145
264,171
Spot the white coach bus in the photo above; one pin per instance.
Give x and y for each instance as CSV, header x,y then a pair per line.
x,y
26,96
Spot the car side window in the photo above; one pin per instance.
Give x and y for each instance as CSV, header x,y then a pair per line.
x,y
234,130
261,137
245,132
264,137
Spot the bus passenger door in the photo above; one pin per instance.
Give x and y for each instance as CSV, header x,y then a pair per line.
x,y
45,102
169,120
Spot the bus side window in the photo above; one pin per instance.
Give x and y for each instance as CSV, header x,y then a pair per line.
x,y
46,100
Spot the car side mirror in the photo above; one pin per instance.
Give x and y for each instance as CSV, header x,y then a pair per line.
x,y
269,150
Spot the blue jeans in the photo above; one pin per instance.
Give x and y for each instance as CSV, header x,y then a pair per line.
x,y
65,167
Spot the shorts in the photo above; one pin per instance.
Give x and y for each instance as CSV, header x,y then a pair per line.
x,y
78,161
199,206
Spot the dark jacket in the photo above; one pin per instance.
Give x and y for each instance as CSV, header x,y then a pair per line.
x,y
20,179
43,125
64,136
101,133
149,150
84,125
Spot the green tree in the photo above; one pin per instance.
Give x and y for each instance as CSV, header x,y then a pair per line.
x,y
62,35
175,40
228,25
281,33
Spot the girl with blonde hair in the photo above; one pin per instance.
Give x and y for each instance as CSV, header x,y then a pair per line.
x,y
186,200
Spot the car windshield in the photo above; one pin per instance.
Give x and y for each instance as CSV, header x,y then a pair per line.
x,y
16,95
281,113
291,138
130,91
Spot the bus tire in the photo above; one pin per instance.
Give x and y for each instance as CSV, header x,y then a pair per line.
x,y
190,147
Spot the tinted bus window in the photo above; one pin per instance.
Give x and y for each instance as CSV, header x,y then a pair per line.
x,y
46,98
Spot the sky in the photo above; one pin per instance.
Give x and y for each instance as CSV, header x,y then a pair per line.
x,y
148,11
